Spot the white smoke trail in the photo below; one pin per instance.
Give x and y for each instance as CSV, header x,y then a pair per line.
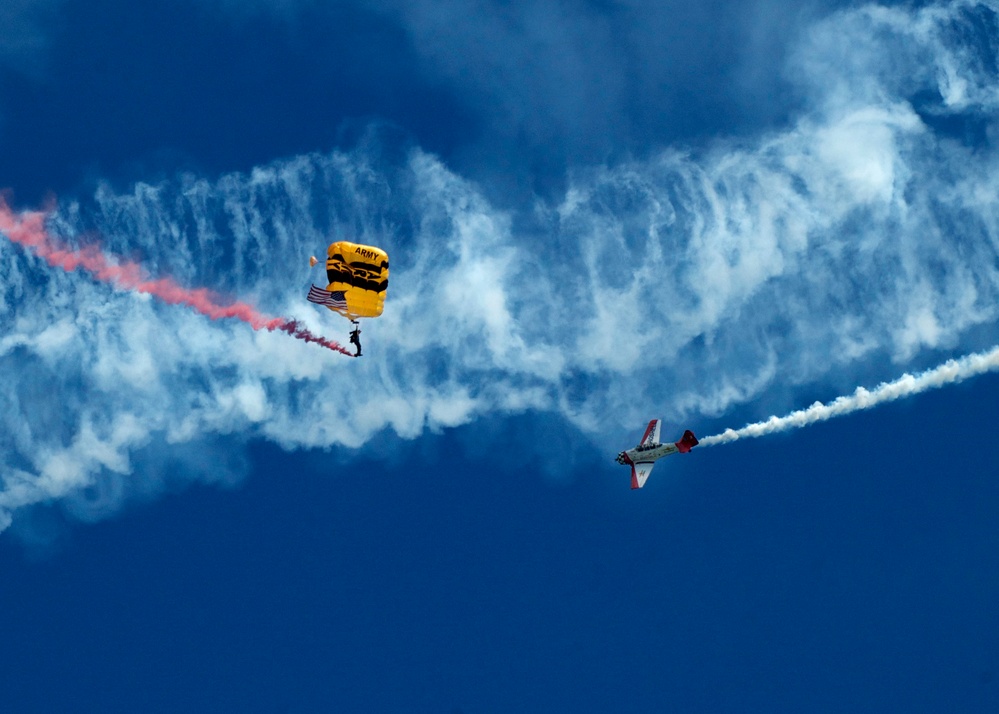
x,y
950,372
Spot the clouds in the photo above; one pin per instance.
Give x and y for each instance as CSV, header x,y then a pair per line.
x,y
865,229
508,94
557,84
514,93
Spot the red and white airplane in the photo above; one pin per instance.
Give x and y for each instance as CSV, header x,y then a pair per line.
x,y
643,457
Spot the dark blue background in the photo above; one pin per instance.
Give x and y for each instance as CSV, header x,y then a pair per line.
x,y
850,566
131,91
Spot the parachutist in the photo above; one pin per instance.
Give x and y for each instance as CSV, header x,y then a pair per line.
x,y
355,339
358,278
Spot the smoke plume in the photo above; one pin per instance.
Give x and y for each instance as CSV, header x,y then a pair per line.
x,y
29,231
950,372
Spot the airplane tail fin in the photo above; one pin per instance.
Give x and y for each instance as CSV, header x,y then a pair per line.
x,y
688,442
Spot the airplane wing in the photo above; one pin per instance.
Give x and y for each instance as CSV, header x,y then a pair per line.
x,y
651,433
640,473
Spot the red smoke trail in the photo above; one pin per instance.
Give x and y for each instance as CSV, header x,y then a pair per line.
x,y
28,230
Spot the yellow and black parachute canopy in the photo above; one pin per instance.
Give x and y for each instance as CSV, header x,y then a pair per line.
x,y
361,273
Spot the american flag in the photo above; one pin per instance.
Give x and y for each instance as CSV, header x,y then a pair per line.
x,y
334,299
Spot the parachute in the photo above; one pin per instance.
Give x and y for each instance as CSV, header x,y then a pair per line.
x,y
358,279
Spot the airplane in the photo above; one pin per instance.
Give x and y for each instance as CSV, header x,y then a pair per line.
x,y
642,458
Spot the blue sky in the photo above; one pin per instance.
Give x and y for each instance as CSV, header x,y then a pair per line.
x,y
597,213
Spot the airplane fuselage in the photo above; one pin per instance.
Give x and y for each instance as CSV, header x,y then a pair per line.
x,y
645,454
